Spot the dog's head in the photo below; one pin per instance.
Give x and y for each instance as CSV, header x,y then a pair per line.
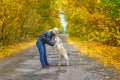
x,y
58,40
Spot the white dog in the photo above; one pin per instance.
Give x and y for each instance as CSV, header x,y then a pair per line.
x,y
61,50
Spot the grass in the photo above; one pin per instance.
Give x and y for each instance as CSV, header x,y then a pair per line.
x,y
108,55
13,49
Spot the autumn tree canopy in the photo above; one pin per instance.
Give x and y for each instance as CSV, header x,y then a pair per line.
x,y
22,20
96,20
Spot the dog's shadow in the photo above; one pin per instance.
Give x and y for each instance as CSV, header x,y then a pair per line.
x,y
61,69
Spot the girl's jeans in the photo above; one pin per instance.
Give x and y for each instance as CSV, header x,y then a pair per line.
x,y
42,53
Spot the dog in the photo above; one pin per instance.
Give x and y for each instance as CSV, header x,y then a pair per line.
x,y
61,50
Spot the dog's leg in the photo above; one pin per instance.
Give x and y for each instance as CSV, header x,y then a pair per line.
x,y
59,60
67,62
67,59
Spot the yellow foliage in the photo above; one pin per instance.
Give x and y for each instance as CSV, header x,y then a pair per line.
x,y
98,1
108,55
13,49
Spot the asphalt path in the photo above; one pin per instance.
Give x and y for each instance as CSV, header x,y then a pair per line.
x,y
26,66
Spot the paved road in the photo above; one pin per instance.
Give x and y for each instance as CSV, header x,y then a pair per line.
x,y
26,66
